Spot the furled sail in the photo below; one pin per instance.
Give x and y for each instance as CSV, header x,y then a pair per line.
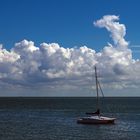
x,y
94,113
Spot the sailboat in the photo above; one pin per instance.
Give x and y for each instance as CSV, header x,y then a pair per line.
x,y
96,117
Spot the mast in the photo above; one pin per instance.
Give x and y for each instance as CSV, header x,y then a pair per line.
x,y
97,91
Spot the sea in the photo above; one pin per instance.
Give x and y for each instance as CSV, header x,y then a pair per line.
x,y
33,118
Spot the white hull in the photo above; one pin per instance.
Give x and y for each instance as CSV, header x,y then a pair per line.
x,y
96,120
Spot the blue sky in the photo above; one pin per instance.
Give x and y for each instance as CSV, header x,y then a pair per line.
x,y
54,69
67,22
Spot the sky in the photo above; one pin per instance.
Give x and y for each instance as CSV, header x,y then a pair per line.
x,y
50,47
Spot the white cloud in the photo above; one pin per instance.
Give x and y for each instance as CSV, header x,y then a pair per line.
x,y
51,65
117,30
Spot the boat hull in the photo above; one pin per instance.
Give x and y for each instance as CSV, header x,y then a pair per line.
x,y
99,120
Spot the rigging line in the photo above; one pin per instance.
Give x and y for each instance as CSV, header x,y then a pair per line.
x,y
101,89
96,80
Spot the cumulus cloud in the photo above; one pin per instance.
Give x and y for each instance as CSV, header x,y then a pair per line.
x,y
54,66
116,29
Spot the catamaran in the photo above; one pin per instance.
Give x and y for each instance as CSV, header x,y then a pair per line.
x,y
96,117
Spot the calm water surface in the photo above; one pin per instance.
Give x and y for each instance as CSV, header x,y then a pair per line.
x,y
55,119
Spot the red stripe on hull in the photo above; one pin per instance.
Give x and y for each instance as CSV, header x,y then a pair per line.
x,y
96,121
